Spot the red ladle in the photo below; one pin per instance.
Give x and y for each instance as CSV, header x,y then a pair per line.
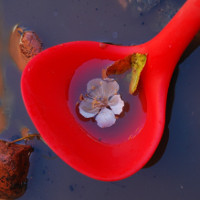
x,y
46,80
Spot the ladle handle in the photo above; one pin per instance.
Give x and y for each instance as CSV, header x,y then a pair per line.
x,y
177,34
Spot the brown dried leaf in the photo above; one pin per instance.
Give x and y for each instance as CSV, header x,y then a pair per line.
x,y
24,45
14,165
30,44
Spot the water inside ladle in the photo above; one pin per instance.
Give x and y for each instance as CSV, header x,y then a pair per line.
x,y
47,77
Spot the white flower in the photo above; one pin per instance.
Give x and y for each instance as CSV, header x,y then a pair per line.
x,y
102,101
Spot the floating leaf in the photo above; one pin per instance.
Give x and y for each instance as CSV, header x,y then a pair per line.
x,y
14,165
138,62
24,45
120,66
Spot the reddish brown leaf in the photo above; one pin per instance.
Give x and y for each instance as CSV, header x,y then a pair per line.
x,y
24,45
120,66
14,165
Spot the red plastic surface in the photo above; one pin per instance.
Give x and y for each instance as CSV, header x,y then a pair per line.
x,y
45,84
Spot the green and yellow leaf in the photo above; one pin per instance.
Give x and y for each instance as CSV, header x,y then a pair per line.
x,y
136,62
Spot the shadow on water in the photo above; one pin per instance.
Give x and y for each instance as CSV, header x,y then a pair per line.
x,y
170,100
195,43
164,140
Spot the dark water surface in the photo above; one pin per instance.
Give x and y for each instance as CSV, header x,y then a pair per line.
x,y
176,175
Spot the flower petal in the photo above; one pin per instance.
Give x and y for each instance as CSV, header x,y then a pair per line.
x,y
105,118
86,108
94,88
116,104
110,87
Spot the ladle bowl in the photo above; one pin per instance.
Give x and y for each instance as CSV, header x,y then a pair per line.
x,y
45,84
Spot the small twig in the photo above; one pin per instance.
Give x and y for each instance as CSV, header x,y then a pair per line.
x,y
31,136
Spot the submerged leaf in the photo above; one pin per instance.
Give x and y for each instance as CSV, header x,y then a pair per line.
x,y
138,62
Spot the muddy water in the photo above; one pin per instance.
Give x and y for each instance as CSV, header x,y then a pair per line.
x,y
176,174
